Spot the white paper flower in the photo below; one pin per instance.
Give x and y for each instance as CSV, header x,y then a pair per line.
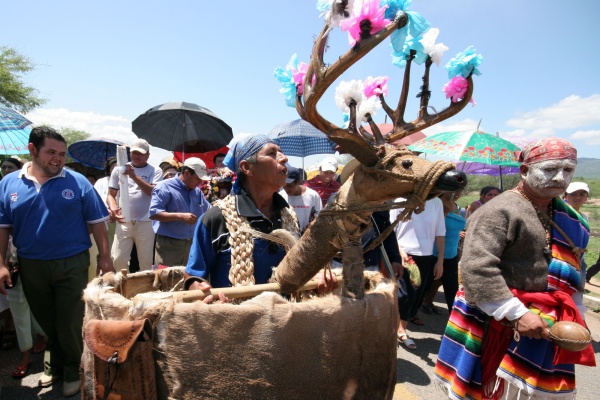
x,y
435,51
367,106
348,91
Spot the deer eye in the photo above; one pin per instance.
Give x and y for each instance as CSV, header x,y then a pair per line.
x,y
407,164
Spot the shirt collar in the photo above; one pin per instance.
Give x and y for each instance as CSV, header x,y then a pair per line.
x,y
23,172
246,207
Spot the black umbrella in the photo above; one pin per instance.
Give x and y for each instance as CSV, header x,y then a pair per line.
x,y
184,127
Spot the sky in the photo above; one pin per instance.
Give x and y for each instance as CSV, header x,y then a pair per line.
x,y
101,64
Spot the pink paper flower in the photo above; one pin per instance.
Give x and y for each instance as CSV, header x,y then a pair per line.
x,y
298,76
376,86
369,11
456,89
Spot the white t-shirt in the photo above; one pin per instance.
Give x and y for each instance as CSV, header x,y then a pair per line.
x,y
139,202
304,205
101,187
417,236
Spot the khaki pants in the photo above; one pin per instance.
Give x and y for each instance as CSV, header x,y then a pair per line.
x,y
126,234
53,289
172,252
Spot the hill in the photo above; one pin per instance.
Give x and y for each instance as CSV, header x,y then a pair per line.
x,y
588,168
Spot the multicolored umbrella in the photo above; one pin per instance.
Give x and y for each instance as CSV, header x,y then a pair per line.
x,y
475,168
475,146
14,132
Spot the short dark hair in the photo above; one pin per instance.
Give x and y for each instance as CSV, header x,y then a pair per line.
x,y
109,162
14,161
218,155
488,189
39,134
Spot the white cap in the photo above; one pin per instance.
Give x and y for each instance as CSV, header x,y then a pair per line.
x,y
329,164
140,145
575,186
198,166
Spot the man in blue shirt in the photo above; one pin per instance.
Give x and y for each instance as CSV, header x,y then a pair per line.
x,y
175,207
49,210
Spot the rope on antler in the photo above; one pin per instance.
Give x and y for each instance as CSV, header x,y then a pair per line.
x,y
241,239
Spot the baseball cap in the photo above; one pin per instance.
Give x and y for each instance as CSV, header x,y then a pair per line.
x,y
198,166
329,164
575,186
292,174
140,145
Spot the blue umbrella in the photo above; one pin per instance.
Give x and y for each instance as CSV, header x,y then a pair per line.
x,y
14,132
94,152
299,138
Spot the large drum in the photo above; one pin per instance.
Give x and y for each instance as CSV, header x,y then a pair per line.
x,y
266,347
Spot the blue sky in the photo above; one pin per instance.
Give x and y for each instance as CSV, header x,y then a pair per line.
x,y
101,64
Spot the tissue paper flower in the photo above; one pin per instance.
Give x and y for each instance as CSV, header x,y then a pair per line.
x,y
415,27
423,46
464,63
298,77
370,11
367,106
435,51
285,77
456,89
376,86
334,11
348,91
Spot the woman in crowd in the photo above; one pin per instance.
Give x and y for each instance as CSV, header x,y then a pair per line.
x,y
485,195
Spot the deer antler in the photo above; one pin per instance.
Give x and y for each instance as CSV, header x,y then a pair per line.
x,y
324,76
355,140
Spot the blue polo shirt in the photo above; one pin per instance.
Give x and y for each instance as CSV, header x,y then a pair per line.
x,y
171,195
50,221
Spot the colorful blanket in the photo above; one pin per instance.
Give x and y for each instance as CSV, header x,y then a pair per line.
x,y
528,364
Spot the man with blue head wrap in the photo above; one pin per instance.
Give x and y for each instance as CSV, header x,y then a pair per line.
x,y
224,251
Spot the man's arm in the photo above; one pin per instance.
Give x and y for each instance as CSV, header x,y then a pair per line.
x,y
165,216
113,209
4,273
101,237
144,186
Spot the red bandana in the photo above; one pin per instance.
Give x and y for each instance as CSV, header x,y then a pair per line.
x,y
551,148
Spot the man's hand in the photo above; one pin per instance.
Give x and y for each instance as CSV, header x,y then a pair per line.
x,y
326,281
188,218
115,215
398,270
532,326
4,279
129,171
105,265
405,257
438,269
205,287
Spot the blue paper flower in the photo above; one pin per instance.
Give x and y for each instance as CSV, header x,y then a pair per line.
x,y
286,78
416,26
464,64
399,58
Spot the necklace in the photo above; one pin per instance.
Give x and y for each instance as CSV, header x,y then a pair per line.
x,y
545,220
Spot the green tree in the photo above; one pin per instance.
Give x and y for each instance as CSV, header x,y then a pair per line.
x,y
14,92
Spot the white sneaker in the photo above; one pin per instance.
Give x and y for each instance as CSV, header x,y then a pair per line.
x,y
71,388
47,380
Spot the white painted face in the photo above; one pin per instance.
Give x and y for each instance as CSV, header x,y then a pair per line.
x,y
549,178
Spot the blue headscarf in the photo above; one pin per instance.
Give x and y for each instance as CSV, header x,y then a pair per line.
x,y
241,148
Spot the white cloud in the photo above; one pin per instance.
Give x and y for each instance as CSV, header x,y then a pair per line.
x,y
569,113
97,125
591,137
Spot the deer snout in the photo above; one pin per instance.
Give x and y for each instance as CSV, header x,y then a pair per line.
x,y
452,181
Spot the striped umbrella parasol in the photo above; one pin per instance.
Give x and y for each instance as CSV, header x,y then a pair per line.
x,y
14,132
